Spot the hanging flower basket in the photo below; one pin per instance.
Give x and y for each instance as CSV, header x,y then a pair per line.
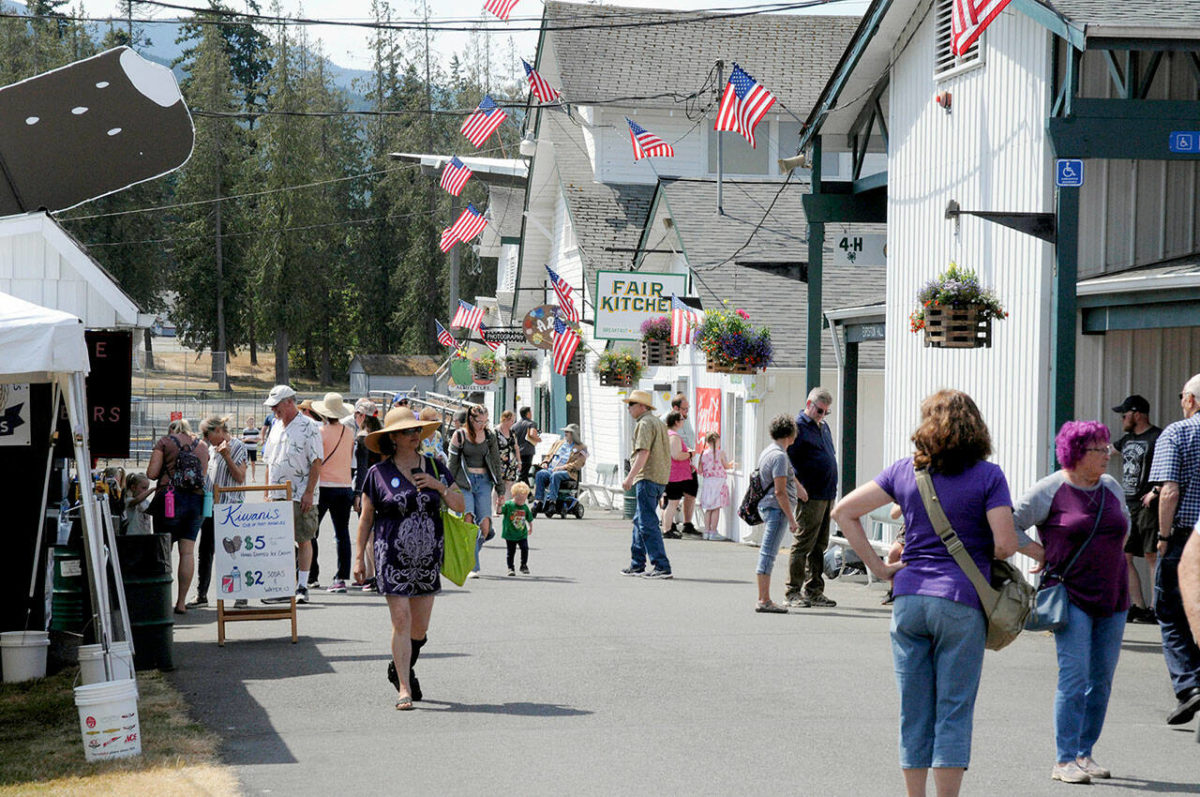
x,y
956,312
518,366
483,368
578,363
957,327
656,343
732,345
618,369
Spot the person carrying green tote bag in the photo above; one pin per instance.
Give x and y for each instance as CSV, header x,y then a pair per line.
x,y
459,537
406,505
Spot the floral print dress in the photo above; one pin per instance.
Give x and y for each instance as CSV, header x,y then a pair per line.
x,y
507,445
408,530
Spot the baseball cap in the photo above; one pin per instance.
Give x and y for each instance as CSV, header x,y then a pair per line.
x,y
365,406
279,393
1134,403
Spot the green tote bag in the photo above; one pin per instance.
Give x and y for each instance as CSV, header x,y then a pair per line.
x,y
458,538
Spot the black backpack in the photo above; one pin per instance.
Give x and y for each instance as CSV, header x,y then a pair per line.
x,y
189,473
748,511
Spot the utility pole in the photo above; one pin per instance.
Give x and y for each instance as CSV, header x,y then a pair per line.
x,y
720,144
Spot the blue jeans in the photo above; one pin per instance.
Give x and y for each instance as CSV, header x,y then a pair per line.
x,y
548,478
1087,658
772,538
1179,649
478,502
647,534
937,650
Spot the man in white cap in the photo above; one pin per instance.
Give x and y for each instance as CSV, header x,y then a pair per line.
x,y
294,452
649,471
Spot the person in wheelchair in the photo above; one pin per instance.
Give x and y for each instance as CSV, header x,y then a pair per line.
x,y
563,463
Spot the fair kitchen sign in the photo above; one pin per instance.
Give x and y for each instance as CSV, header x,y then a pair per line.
x,y
624,299
254,550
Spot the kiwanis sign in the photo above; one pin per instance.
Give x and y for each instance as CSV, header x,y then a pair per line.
x,y
254,550
624,299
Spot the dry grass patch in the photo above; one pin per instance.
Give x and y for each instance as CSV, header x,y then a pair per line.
x,y
41,751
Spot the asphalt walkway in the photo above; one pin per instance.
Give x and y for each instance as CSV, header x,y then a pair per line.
x,y
576,680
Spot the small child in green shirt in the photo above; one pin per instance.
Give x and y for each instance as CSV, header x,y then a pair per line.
x,y
518,525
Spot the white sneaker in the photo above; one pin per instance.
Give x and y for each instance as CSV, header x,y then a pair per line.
x,y
473,574
1094,770
1070,772
714,536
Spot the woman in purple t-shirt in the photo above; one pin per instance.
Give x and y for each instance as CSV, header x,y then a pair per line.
x,y
1080,506
938,625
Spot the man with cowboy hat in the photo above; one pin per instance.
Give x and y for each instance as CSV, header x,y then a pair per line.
x,y
564,461
294,452
649,471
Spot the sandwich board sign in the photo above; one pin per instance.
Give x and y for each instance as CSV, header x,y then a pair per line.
x,y
254,550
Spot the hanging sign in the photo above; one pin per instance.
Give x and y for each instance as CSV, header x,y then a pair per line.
x,y
1186,141
109,387
624,299
538,326
255,550
859,250
14,415
708,414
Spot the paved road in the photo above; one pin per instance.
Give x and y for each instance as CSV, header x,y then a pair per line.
x,y
578,681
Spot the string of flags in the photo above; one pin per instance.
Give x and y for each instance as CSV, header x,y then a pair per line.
x,y
469,224
483,122
500,8
455,175
538,85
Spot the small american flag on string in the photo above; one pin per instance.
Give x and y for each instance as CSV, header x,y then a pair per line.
x,y
566,341
467,316
646,144
444,337
969,19
455,176
538,85
565,294
500,8
491,344
744,103
684,320
470,223
481,124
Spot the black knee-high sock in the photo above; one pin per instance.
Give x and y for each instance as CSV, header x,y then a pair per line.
x,y
413,684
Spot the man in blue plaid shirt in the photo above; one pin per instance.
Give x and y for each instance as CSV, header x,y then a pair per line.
x,y
1176,470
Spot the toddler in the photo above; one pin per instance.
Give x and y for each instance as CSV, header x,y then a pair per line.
x,y
518,525
714,495
138,493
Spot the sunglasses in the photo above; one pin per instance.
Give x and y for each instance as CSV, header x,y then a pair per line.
x,y
820,411
414,430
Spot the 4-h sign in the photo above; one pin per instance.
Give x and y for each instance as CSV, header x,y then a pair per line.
x,y
14,415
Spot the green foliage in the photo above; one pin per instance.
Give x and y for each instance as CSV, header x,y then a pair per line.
x,y
956,287
620,364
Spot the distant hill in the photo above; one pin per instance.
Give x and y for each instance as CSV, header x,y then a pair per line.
x,y
164,50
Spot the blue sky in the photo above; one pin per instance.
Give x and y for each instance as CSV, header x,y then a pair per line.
x,y
347,46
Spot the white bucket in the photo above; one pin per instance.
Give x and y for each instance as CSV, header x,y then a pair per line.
x,y
108,720
91,663
23,654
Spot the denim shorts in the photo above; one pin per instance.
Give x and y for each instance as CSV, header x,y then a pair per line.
x,y
776,525
478,499
937,651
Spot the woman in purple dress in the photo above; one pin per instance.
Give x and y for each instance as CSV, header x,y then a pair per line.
x,y
938,626
401,503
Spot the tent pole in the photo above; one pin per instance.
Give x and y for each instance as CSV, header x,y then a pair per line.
x,y
37,550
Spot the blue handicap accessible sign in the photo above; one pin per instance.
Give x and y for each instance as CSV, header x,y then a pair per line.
x,y
1068,173
1186,141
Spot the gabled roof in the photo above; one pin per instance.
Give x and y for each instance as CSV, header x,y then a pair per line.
x,y
635,54
1134,14
774,300
398,364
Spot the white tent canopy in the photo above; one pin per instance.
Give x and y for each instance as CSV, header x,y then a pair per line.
x,y
42,345
37,344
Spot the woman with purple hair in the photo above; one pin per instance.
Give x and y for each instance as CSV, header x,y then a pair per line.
x,y
1082,522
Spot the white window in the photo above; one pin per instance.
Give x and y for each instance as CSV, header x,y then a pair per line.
x,y
945,62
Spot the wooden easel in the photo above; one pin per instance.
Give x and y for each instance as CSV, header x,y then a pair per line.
x,y
263,613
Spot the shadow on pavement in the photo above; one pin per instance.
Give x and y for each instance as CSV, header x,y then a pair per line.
x,y
714,580
509,709
386,656
1152,786
1139,646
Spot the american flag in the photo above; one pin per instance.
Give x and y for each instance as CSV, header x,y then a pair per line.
x,y
538,85
467,316
684,320
969,18
444,337
566,301
646,144
470,223
481,124
501,8
566,341
743,104
455,176
491,344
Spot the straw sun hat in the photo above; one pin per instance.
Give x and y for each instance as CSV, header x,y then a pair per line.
x,y
398,419
332,406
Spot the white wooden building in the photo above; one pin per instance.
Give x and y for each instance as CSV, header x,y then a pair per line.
x,y
1104,304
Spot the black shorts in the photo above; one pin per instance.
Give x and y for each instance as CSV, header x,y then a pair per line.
x,y
677,490
253,454
1143,529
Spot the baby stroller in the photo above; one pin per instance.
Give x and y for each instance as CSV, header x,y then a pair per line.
x,y
567,503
